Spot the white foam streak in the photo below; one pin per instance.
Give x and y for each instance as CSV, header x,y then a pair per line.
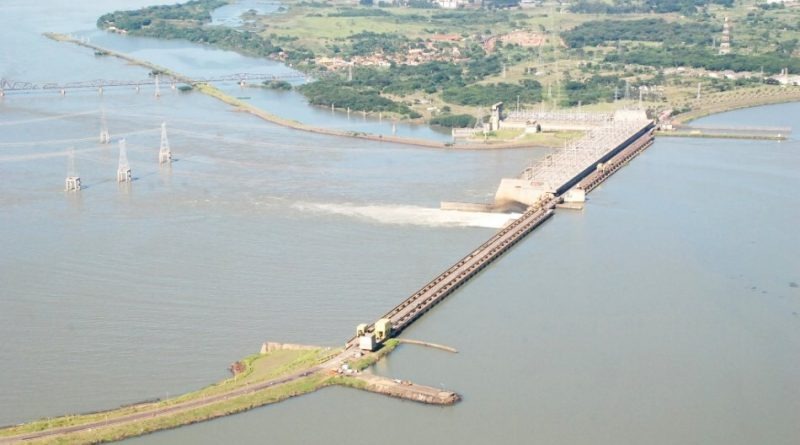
x,y
411,215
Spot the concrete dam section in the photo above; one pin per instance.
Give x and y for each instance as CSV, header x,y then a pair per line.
x,y
565,175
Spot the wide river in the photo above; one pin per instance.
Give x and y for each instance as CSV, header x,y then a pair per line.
x,y
666,312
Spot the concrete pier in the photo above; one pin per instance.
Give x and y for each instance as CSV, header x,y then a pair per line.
x,y
403,389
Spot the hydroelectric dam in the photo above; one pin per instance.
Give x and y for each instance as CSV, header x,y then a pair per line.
x,y
559,179
562,177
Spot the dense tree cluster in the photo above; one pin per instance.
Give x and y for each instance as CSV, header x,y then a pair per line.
x,y
705,58
529,91
686,7
228,38
454,120
360,12
593,90
367,43
648,30
170,22
337,92
197,10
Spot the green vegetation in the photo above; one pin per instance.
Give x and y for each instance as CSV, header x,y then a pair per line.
x,y
281,85
372,358
705,58
592,90
367,43
187,21
414,59
223,408
194,10
454,120
685,7
257,368
338,93
597,32
528,91
254,369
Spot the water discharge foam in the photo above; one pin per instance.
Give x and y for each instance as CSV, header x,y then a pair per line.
x,y
411,215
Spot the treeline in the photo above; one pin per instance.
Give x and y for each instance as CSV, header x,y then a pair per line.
x,y
170,22
647,30
360,12
223,37
529,91
197,10
593,90
772,63
337,92
402,80
454,120
686,7
365,91
367,43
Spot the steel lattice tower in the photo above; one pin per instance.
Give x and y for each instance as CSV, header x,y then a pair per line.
x,y
725,43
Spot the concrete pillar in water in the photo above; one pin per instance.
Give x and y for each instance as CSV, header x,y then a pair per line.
x,y
123,168
164,152
73,181
105,138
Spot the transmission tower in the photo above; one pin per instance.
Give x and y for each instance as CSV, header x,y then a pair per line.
x,y
73,181
164,153
105,138
158,87
124,169
725,43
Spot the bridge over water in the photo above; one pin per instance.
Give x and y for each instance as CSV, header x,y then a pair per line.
x,y
12,86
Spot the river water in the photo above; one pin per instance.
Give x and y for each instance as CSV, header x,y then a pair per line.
x,y
668,311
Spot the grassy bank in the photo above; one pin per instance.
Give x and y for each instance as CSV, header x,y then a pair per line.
x,y
733,100
370,359
257,368
227,397
194,415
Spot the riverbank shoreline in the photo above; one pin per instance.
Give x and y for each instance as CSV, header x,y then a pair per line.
x,y
310,369
700,108
240,105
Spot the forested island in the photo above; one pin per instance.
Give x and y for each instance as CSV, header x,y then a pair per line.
x,y
418,60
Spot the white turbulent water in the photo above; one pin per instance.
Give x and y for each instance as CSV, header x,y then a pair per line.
x,y
665,312
412,215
